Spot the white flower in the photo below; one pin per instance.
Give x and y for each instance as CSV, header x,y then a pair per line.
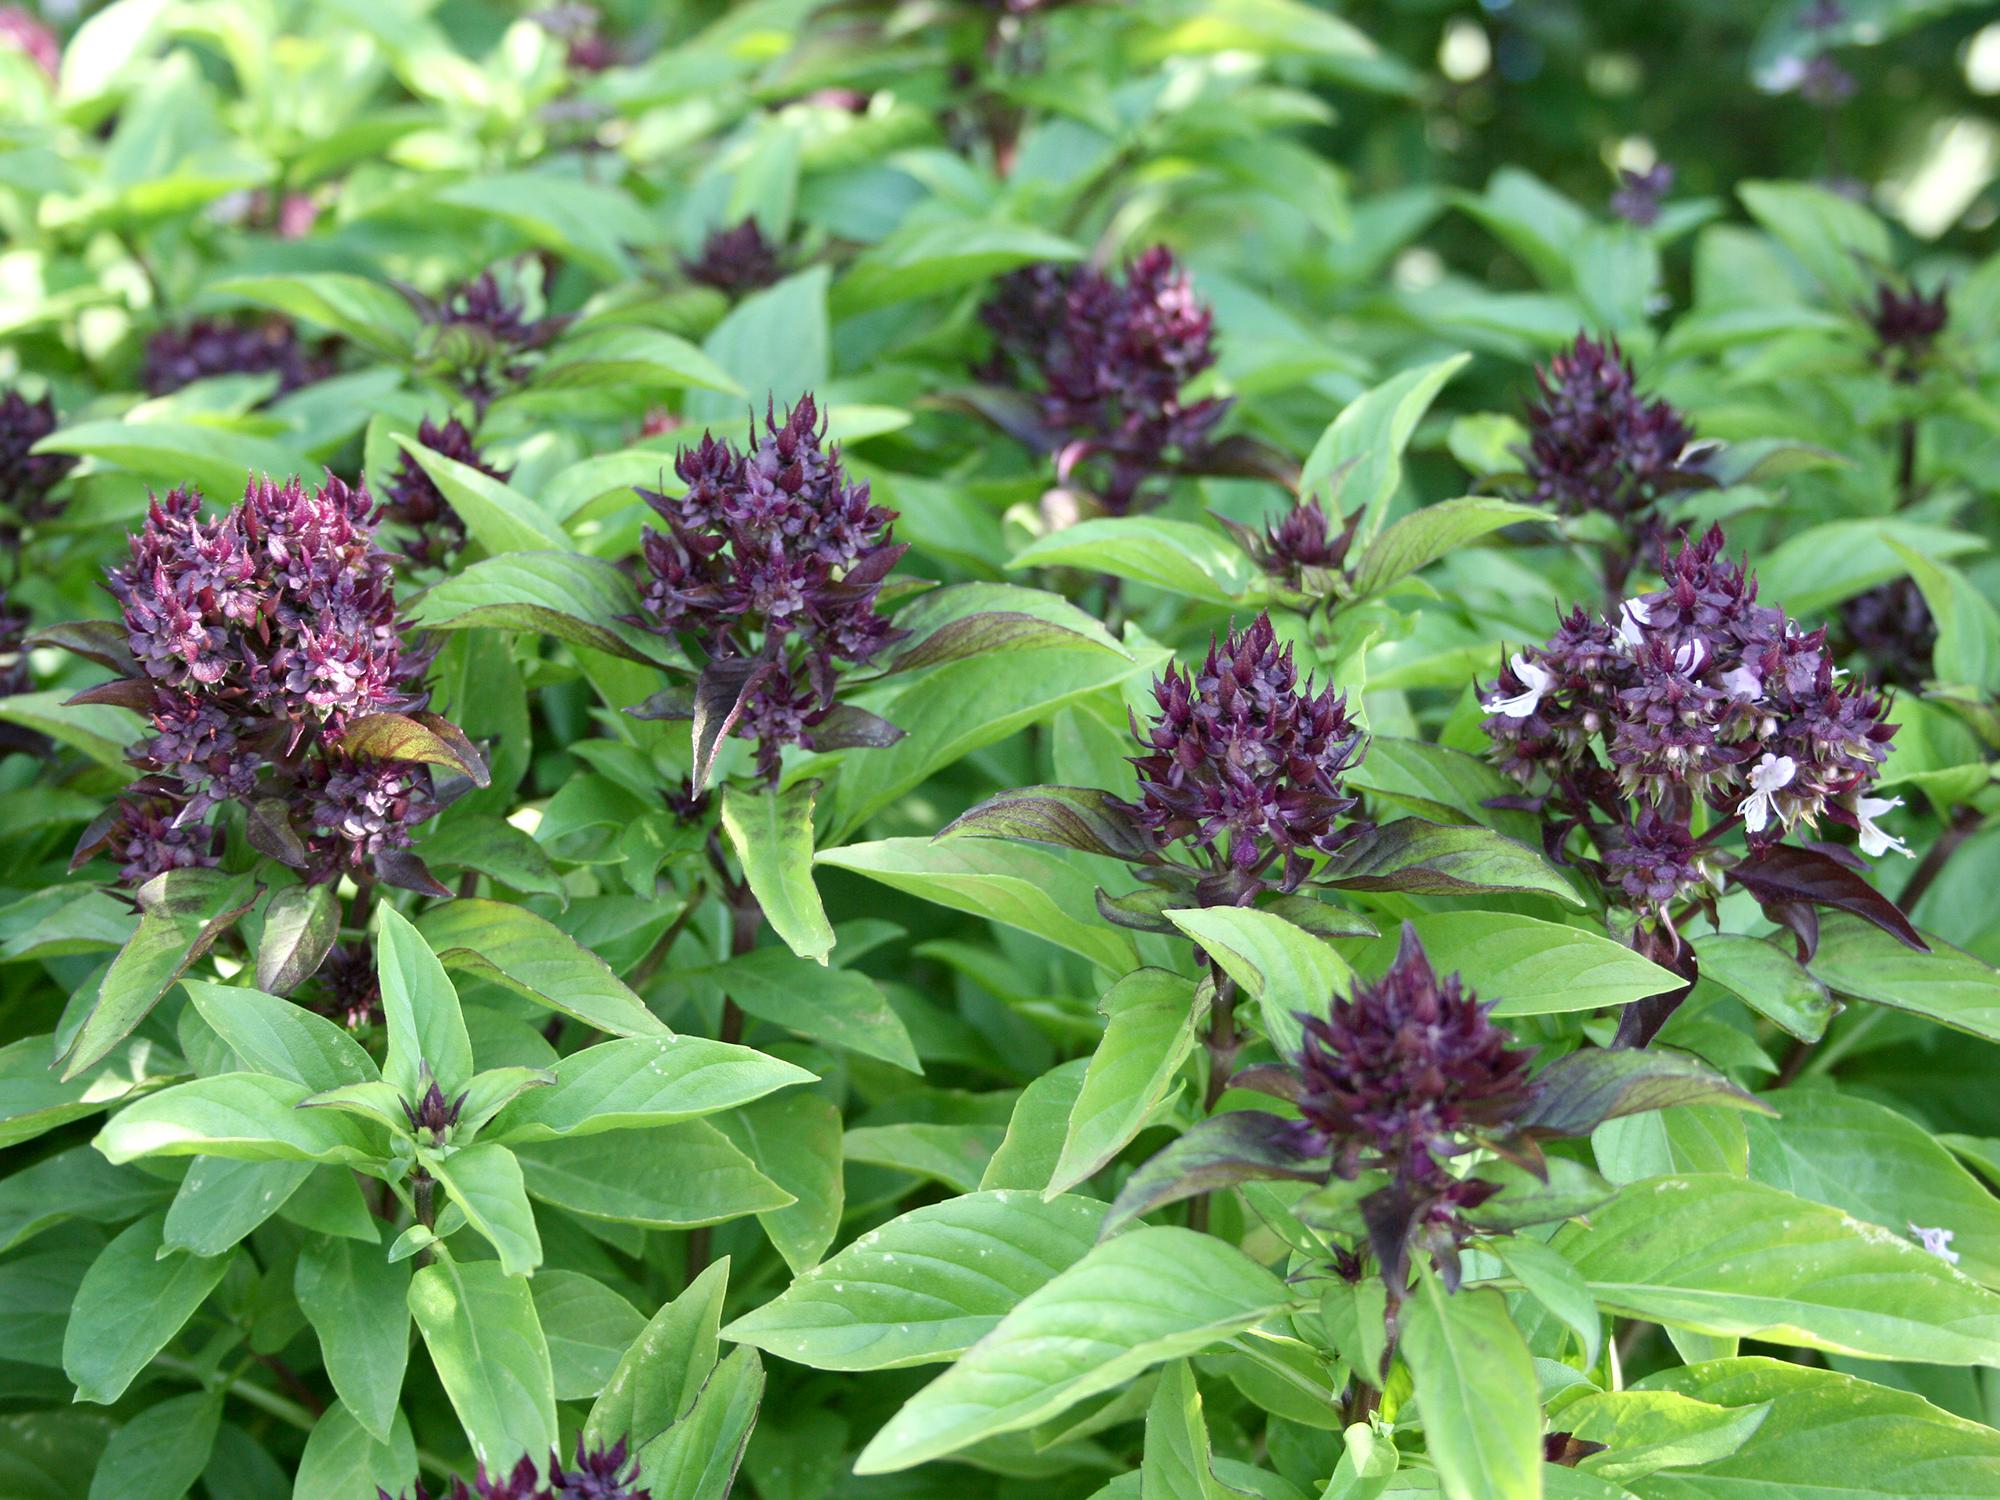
x,y
1766,778
1873,840
1937,1241
1539,681
1689,655
1744,683
1631,615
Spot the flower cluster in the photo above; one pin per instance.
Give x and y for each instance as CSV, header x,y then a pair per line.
x,y
1596,444
1111,358
207,347
347,988
1906,325
1301,549
1639,195
599,1473
482,336
1696,692
1891,626
257,640
772,562
14,674
1244,766
736,261
27,477
580,28
1401,1078
412,498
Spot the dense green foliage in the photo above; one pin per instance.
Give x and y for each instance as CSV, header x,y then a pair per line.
x,y
1172,749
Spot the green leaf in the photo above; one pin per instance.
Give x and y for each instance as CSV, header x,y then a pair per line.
x,y
342,1460
377,317
1425,535
1176,1463
774,344
1476,1388
131,1303
1150,1019
358,1303
931,258
1424,858
1723,1256
1028,1153
1360,455
663,1369
220,1201
484,1180
963,620
589,1328
1281,966
73,1184
1815,567
698,1456
1840,242
1768,980
795,1140
837,1006
1949,985
279,1038
181,914
215,460
300,925
98,730
1648,1431
771,833
499,517
588,222
1553,1282
160,1453
1967,650
636,1082
926,1286
951,1152
486,1342
583,600
1854,1154
246,1116
1526,966
1064,817
630,356
1176,556
1826,1435
530,955
1581,1090
1033,889
672,1177
1133,1302
420,1009
33,1101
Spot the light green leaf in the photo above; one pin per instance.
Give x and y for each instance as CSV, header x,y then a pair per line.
x,y
698,1456
530,955
840,1007
926,1286
795,1140
1360,455
1425,535
220,1201
672,1177
246,1116
1176,1463
664,1368
160,1453
130,1305
583,600
480,1326
1283,967
1476,1388
484,1180
341,1460
1768,980
420,1008
1134,1301
279,1038
377,317
589,1327
771,833
636,1082
1177,556
1523,965
931,258
358,1303
499,517
1150,1020
1949,985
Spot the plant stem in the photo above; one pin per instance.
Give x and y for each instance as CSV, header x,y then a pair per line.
x,y
1223,1044
746,921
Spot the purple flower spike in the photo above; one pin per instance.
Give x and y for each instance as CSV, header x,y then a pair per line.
x,y
207,347
1597,444
413,499
736,261
26,477
598,1474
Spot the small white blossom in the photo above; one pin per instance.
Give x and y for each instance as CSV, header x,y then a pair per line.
x,y
1631,615
1744,683
1538,679
1937,1241
1767,778
1689,655
1875,841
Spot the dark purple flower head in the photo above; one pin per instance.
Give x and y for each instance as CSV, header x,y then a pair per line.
x,y
207,347
14,674
1112,358
435,1113
736,261
1402,1071
1696,691
351,809
1301,549
1907,324
348,990
413,499
26,477
598,1474
580,28
484,335
1595,443
1243,765
1640,194
1891,626
146,840
772,558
